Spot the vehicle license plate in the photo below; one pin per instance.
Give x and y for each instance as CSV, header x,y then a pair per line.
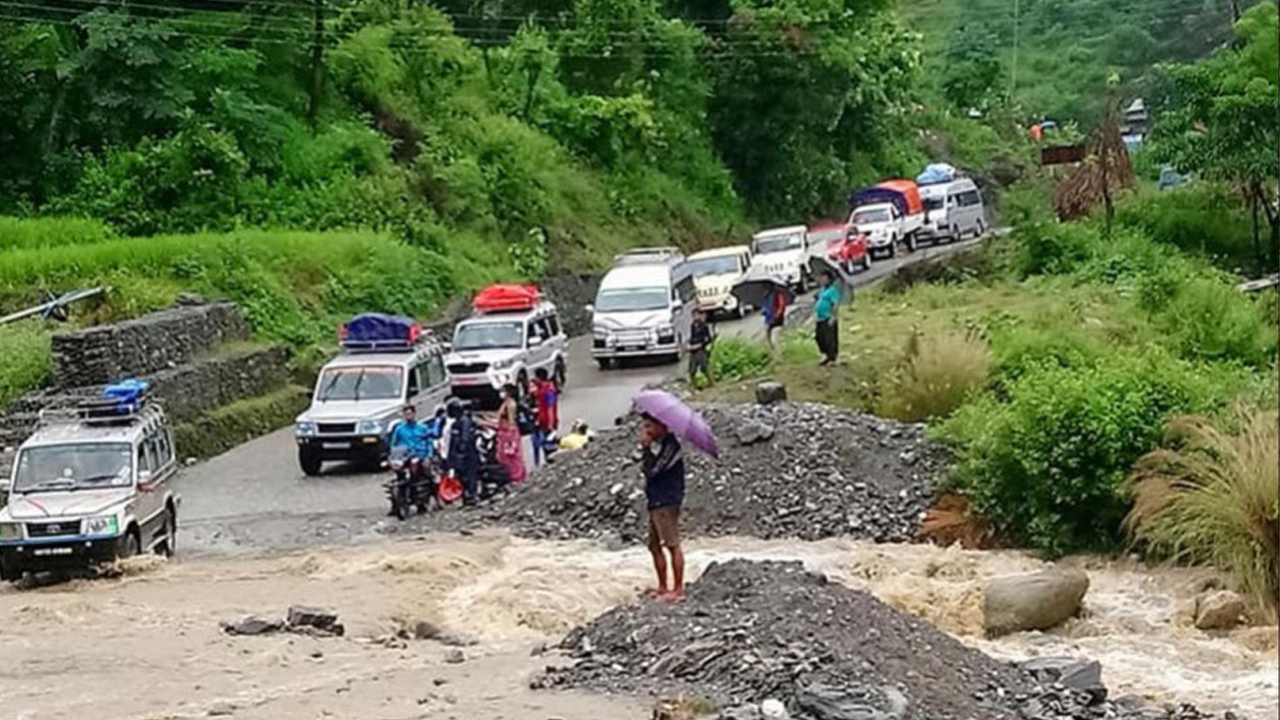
x,y
53,551
335,446
466,381
632,348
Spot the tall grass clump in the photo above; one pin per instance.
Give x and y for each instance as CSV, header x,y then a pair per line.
x,y
937,375
1212,495
25,362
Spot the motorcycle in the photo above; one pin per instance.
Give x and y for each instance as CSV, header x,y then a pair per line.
x,y
413,484
493,477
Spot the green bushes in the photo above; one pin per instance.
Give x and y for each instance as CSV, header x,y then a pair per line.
x,y
224,428
735,358
1200,218
1046,463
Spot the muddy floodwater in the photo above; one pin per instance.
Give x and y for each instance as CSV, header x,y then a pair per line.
x,y
148,646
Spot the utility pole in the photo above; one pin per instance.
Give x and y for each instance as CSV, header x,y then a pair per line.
x,y
1013,76
317,66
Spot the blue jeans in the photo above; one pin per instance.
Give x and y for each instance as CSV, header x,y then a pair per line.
x,y
539,446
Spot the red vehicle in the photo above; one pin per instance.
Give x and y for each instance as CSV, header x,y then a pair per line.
x,y
851,252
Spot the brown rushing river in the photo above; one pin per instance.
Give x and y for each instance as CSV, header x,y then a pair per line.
x,y
148,645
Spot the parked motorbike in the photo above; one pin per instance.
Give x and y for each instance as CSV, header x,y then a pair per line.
x,y
413,484
493,477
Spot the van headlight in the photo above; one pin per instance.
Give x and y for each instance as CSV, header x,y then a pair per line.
x,y
304,429
666,334
370,427
503,364
10,531
102,525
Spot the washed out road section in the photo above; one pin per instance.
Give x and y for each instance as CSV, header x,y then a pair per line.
x,y
256,497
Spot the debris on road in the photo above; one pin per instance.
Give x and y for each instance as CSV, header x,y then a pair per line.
x,y
755,635
788,470
299,620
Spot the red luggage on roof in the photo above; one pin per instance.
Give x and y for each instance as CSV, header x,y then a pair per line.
x,y
507,298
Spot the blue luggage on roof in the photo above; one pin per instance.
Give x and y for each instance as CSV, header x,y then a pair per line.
x,y
129,395
376,331
936,174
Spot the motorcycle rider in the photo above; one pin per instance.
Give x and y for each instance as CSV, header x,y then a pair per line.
x,y
464,456
417,438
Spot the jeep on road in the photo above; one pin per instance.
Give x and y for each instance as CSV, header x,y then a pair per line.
x,y
92,484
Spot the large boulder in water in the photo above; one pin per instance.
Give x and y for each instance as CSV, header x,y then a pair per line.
x,y
1219,611
1032,601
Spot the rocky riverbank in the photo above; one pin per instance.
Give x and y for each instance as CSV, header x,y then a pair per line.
x,y
772,640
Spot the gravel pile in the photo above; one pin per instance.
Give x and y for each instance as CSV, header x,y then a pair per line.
x,y
787,470
756,637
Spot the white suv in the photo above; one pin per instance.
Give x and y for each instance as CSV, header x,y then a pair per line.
x,y
496,347
92,484
386,363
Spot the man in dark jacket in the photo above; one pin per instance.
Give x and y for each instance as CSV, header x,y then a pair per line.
x,y
700,340
464,457
662,460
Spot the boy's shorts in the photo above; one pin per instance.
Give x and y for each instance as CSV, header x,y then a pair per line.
x,y
664,527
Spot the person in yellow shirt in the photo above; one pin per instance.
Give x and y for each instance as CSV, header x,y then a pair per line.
x,y
578,438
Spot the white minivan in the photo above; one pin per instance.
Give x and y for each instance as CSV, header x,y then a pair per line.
x,y
643,308
953,210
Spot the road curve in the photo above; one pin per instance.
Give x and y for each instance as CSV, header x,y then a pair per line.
x,y
254,496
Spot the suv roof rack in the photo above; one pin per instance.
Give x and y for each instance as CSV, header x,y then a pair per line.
x,y
649,256
102,412
378,333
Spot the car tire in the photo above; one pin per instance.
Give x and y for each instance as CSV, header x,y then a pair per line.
x,y
132,545
979,230
893,248
170,543
310,463
604,363
911,243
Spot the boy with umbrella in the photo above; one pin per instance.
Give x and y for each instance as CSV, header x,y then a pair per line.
x,y
663,416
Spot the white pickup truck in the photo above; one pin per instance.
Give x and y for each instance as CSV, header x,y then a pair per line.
x,y
889,214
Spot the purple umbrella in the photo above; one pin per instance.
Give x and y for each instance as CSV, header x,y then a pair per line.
x,y
679,419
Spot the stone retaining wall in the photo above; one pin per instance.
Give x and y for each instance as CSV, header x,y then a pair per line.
x,y
147,345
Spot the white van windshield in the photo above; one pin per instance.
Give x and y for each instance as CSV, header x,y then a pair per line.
x,y
75,466
779,243
489,336
722,265
635,299
870,217
370,382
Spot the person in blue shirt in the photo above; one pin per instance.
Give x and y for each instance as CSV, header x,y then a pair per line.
x,y
827,331
417,438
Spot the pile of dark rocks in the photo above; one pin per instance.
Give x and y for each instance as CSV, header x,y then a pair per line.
x,y
786,470
771,640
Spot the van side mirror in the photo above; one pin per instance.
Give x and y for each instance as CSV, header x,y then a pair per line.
x,y
589,308
535,341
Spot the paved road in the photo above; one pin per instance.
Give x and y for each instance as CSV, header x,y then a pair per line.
x,y
255,496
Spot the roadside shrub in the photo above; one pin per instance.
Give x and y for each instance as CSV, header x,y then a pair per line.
x,y
1211,496
1209,319
25,362
937,375
1052,248
735,358
1200,218
1020,349
1046,466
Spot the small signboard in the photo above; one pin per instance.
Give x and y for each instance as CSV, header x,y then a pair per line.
x,y
1062,154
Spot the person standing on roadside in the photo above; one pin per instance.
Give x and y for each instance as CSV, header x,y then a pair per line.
x,y
774,312
546,420
826,330
510,453
464,457
662,461
700,340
